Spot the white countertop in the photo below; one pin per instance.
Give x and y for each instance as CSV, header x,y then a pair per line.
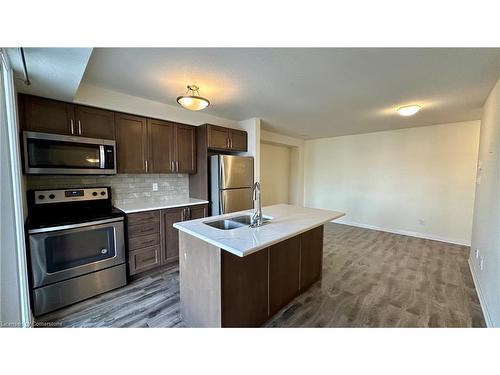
x,y
140,205
287,221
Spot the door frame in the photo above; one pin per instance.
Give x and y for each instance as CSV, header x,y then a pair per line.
x,y
17,190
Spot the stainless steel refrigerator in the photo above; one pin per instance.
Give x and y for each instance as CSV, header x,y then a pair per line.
x,y
231,182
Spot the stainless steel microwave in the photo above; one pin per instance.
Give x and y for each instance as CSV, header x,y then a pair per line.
x,y
62,154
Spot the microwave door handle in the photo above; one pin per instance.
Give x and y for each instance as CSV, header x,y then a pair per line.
x,y
102,162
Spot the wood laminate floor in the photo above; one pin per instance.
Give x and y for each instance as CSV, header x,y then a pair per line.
x,y
370,279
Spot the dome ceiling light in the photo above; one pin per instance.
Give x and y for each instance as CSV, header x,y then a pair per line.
x,y
192,100
409,110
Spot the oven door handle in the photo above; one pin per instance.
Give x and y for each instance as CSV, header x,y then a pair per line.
x,y
102,163
72,226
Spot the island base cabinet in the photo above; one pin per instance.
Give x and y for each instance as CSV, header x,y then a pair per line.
x,y
284,271
244,289
219,289
311,257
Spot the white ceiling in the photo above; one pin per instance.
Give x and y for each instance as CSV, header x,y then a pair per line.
x,y
301,92
309,92
54,72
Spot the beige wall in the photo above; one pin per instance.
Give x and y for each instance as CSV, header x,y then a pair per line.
x,y
274,174
486,227
296,178
417,181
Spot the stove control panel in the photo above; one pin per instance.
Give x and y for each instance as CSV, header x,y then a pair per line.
x,y
70,195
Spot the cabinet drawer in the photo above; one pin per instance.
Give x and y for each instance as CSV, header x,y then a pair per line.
x,y
143,241
143,229
144,259
143,217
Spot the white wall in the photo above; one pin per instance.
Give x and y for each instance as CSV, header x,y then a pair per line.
x,y
252,127
296,178
391,180
486,227
274,173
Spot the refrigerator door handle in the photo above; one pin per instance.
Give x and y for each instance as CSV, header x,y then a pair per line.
x,y
221,203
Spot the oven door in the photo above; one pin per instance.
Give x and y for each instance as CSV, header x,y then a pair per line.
x,y
61,154
61,253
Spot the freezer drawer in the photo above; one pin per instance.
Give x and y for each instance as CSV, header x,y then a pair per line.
x,y
233,200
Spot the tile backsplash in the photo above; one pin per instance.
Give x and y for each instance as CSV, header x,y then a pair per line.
x,y
125,188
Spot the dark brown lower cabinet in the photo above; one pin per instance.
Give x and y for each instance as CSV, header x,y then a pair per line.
x,y
244,289
311,257
255,287
152,239
170,252
284,271
144,259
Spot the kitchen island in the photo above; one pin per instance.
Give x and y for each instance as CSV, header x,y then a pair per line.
x,y
232,275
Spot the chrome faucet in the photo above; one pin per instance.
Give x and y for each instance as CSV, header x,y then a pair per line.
x,y
257,215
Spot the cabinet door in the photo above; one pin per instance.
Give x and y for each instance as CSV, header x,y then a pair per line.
x,y
94,122
170,251
185,149
311,257
48,116
284,263
238,140
217,137
197,212
244,289
131,143
161,146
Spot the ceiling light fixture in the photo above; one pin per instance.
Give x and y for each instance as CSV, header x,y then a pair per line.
x,y
409,110
192,100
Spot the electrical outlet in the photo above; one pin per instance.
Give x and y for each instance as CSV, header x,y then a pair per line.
x,y
477,253
481,264
155,186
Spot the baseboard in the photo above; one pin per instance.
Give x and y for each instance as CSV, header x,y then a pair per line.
x,y
482,300
404,232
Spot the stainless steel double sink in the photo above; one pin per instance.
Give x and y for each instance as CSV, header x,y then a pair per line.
x,y
235,222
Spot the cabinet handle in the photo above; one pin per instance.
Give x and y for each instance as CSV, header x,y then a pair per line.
x,y
79,127
230,143
146,162
183,214
72,126
227,142
177,166
171,166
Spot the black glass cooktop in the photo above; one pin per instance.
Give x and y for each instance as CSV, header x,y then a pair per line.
x,y
55,218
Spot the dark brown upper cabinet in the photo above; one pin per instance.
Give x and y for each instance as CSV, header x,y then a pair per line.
x,y
131,144
53,116
238,140
94,122
161,146
185,150
46,115
226,139
154,146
